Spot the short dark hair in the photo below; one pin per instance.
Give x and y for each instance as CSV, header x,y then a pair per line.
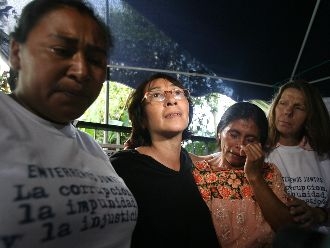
x,y
140,135
245,111
316,127
36,9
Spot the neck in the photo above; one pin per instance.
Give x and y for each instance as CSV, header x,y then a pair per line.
x,y
166,152
289,141
14,96
226,164
20,101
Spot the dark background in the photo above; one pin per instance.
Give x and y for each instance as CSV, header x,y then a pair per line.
x,y
255,41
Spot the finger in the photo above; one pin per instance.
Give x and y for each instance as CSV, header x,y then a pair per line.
x,y
306,223
299,207
253,152
295,202
242,151
302,214
256,149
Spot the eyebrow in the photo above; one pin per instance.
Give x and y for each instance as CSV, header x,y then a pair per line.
x,y
300,103
74,41
172,86
153,88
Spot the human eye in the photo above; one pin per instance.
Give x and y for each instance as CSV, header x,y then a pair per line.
x,y
178,93
62,51
282,102
300,107
251,140
156,96
96,60
233,135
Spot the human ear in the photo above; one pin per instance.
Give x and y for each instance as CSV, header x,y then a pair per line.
x,y
14,58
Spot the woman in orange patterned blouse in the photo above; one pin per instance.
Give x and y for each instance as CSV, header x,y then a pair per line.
x,y
245,195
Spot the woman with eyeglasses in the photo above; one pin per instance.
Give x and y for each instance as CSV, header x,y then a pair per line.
x,y
158,170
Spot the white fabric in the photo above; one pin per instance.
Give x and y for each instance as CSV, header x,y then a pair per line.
x,y
58,188
326,101
305,174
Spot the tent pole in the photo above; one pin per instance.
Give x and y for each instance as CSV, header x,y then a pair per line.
x,y
187,74
107,93
305,39
319,80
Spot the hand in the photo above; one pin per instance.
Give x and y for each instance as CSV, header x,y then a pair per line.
x,y
304,215
254,160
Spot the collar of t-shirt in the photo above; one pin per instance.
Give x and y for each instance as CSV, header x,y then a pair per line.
x,y
303,144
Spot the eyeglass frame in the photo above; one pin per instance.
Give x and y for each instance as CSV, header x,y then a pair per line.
x,y
186,94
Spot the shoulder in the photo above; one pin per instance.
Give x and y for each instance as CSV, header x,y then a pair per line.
x,y
122,154
130,163
124,157
85,139
271,171
201,165
269,166
89,144
6,104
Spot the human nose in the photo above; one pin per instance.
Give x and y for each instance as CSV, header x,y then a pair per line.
x,y
169,98
243,141
288,110
79,67
238,143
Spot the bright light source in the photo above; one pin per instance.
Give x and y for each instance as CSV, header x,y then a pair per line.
x,y
3,66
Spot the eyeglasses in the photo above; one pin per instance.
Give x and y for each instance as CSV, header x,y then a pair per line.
x,y
159,96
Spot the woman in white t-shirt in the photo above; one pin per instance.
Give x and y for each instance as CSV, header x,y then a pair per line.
x,y
58,187
299,141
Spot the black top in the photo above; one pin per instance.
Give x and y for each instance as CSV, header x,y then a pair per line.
x,y
171,211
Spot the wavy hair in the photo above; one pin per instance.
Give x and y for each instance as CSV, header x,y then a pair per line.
x,y
316,128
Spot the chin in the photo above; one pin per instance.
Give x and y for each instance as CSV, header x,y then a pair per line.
x,y
235,163
63,119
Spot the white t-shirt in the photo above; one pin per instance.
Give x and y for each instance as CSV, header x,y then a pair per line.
x,y
58,188
305,174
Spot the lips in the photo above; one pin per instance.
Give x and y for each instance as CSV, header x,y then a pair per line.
x,y
284,123
71,89
238,155
173,115
72,93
